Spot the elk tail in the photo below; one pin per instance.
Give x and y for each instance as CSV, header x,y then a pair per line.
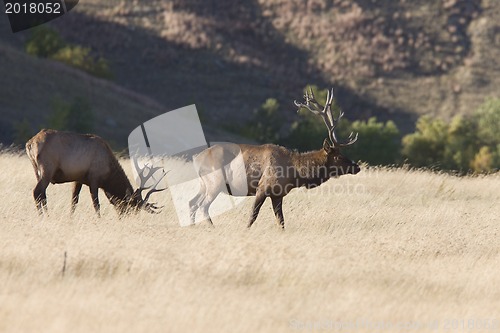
x,y
32,149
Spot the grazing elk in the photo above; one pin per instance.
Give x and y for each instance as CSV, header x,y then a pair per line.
x,y
61,157
273,171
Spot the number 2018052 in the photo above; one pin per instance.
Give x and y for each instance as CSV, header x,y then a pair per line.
x,y
33,8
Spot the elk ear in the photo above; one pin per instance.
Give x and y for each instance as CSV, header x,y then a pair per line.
x,y
327,146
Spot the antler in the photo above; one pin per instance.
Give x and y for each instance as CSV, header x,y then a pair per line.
x,y
143,178
326,114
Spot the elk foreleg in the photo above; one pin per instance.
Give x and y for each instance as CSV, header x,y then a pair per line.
x,y
74,198
205,205
259,200
278,211
94,193
40,195
193,207
196,201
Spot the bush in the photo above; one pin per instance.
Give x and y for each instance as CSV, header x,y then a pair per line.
x,y
488,122
483,161
309,131
44,42
379,141
466,144
265,125
81,58
426,146
76,116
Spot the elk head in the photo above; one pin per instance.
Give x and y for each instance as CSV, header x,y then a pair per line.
x,y
336,163
135,200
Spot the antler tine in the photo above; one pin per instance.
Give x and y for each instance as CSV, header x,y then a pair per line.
x,y
328,107
326,114
154,189
350,141
143,178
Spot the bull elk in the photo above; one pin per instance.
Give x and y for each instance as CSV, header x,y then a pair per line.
x,y
61,157
273,171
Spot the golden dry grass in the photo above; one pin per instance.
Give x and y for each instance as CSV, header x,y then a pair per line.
x,y
391,246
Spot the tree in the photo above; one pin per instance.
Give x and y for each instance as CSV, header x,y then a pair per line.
x,y
266,124
378,143
426,146
467,144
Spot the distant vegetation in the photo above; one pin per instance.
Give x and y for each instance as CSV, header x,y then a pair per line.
x,y
45,42
76,116
467,144
378,142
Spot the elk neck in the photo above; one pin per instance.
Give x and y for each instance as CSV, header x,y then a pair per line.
x,y
311,168
117,185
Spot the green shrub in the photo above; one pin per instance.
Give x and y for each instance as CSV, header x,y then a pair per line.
x,y
466,144
266,124
426,146
44,42
76,116
378,143
81,58
309,131
488,122
483,161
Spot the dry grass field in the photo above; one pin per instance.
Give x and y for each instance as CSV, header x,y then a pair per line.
x,y
409,250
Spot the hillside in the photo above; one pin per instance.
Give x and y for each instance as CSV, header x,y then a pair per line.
x,y
385,246
30,86
392,59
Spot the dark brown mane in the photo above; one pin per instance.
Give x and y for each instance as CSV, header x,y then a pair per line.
x,y
311,167
117,185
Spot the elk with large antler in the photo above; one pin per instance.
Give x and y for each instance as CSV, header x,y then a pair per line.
x,y
61,157
273,171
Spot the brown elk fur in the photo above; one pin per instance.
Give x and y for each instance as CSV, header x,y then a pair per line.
x,y
60,157
271,171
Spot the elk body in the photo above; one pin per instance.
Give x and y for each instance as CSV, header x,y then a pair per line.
x,y
61,157
273,171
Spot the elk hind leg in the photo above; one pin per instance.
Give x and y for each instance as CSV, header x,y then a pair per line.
x,y
74,198
259,200
205,205
278,211
39,193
